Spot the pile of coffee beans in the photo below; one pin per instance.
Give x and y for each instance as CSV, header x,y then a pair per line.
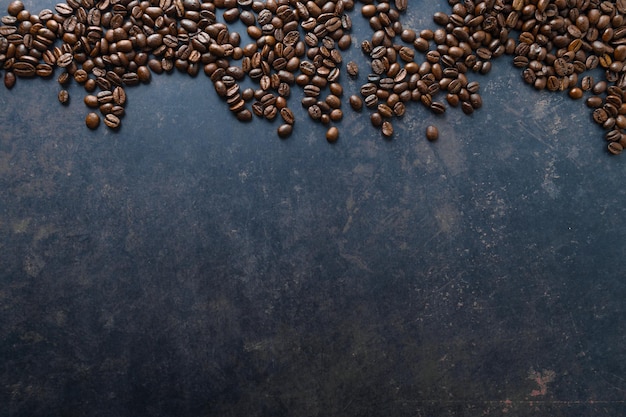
x,y
109,45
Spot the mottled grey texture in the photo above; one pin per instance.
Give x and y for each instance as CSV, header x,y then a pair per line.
x,y
192,265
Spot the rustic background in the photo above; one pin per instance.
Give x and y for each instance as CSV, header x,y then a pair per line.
x,y
192,265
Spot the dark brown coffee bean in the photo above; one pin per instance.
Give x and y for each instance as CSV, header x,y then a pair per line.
x,y
112,121
9,79
356,103
432,133
399,109
287,115
615,148
352,69
92,121
371,101
333,101
387,129
315,112
332,134
438,107
576,93
613,135
119,96
244,115
91,101
594,102
64,97
285,130
600,116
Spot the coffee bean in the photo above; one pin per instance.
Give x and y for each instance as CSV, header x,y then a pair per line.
x,y
287,115
352,69
387,129
285,130
9,79
356,103
332,134
615,148
112,121
315,112
244,115
119,96
376,119
576,93
64,97
432,133
92,121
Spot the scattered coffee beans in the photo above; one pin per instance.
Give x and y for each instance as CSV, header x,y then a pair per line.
x,y
109,46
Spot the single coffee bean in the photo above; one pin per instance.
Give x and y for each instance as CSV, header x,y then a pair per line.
x,y
615,148
576,93
244,115
92,121
285,130
112,121
315,112
376,119
387,129
356,103
352,69
336,115
64,96
432,133
9,79
332,134
287,115
119,96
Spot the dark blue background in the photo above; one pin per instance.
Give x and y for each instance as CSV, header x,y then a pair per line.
x,y
192,265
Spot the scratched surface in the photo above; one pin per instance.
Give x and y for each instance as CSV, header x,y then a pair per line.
x,y
191,265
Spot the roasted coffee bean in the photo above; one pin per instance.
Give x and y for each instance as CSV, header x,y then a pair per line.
x,y
594,102
119,96
438,107
387,129
615,148
112,121
315,112
287,115
9,79
285,130
356,103
600,116
432,133
399,109
332,134
92,121
64,97
352,69
576,93
91,101
244,115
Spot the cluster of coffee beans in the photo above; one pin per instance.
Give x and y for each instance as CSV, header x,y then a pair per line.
x,y
109,45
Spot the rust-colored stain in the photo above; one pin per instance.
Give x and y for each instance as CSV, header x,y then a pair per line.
x,y
542,379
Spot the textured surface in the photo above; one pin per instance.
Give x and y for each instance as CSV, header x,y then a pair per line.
x,y
192,265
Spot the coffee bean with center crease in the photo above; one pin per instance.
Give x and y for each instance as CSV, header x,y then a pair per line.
x,y
112,121
64,96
